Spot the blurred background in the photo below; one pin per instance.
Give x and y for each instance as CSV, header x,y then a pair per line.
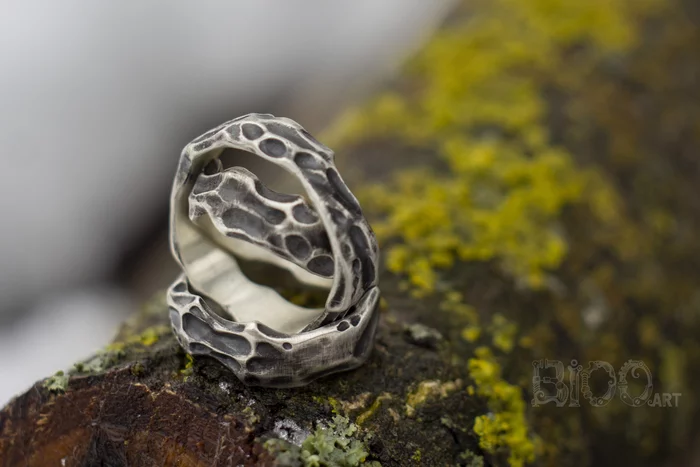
x,y
96,101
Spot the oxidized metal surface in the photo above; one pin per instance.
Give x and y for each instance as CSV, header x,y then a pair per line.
x,y
218,215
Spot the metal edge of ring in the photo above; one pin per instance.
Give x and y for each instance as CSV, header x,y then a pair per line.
x,y
342,338
261,356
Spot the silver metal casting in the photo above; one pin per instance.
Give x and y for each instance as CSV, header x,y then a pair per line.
x,y
219,215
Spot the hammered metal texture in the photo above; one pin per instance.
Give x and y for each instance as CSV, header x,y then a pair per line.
x,y
260,356
327,237
241,207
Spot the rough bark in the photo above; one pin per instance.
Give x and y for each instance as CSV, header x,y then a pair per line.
x,y
140,404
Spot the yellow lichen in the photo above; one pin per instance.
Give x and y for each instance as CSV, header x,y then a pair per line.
x,y
147,338
337,407
150,336
429,389
480,103
417,456
503,333
471,333
188,367
504,97
364,416
358,402
505,426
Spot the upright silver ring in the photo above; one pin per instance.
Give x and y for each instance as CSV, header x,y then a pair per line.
x,y
219,215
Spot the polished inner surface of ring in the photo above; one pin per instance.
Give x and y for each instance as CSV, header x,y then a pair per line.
x,y
220,217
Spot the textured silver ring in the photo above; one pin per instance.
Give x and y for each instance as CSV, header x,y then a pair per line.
x,y
218,216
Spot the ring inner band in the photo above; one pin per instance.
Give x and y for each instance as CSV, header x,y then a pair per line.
x,y
209,261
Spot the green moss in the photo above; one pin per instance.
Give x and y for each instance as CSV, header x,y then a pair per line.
x,y
251,416
286,454
146,338
417,456
116,352
57,383
335,404
101,361
472,460
339,444
151,336
130,345
188,367
137,369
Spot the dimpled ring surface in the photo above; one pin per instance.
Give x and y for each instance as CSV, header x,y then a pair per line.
x,y
217,216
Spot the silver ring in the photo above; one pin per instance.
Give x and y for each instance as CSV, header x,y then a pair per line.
x,y
217,216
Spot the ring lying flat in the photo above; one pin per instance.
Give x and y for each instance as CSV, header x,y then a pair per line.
x,y
219,215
